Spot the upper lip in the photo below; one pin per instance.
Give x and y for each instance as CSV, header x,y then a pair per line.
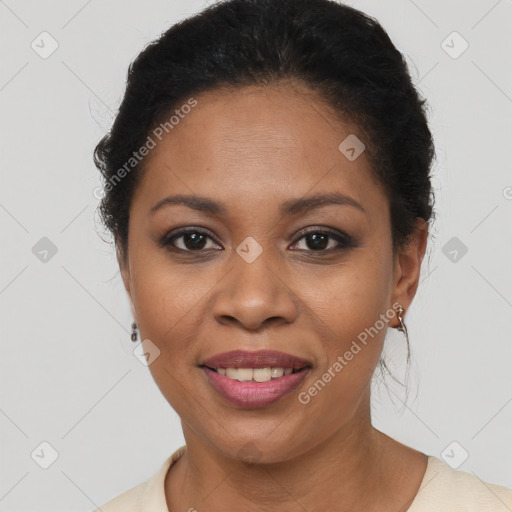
x,y
255,359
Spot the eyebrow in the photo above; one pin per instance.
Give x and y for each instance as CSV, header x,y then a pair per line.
x,y
290,207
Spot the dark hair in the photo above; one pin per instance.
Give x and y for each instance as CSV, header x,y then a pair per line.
x,y
340,53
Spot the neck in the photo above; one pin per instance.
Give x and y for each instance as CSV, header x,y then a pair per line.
x,y
344,472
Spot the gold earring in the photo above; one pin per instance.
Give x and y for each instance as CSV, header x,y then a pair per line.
x,y
403,328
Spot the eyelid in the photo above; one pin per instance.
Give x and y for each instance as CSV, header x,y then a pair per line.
x,y
343,240
165,241
325,230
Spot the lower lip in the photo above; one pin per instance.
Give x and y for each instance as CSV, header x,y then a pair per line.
x,y
254,394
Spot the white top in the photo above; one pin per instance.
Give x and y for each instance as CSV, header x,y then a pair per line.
x,y
442,489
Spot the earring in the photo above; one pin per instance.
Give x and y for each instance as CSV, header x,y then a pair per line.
x,y
134,332
403,328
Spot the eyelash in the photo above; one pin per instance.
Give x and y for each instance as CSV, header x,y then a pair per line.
x,y
344,241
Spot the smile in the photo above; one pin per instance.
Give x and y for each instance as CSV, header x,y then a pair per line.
x,y
255,374
242,389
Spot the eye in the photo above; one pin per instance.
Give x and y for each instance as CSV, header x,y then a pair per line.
x,y
318,240
196,240
193,240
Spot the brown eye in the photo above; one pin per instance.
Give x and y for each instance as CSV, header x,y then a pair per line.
x,y
190,240
318,241
196,240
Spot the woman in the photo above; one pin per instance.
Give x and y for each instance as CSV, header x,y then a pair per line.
x,y
268,189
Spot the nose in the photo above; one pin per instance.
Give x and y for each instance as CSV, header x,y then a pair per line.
x,y
254,295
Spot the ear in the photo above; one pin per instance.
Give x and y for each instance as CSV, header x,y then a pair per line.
x,y
408,265
124,268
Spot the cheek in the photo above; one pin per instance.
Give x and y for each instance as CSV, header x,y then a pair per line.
x,y
350,314
342,380
173,302
169,295
346,299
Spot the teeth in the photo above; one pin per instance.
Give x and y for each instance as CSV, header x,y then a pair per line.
x,y
254,374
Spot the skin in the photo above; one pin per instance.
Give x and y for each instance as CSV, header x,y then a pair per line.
x,y
252,149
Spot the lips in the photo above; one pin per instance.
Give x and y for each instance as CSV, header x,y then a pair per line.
x,y
256,359
290,372
248,395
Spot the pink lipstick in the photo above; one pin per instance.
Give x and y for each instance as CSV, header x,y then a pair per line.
x,y
255,379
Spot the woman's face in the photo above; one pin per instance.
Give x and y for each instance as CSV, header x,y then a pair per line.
x,y
255,280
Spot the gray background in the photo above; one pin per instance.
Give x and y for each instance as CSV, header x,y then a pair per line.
x,y
68,377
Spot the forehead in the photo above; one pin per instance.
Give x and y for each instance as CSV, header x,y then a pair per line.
x,y
255,145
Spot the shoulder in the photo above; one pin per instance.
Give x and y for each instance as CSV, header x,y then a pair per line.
x,y
445,489
146,496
